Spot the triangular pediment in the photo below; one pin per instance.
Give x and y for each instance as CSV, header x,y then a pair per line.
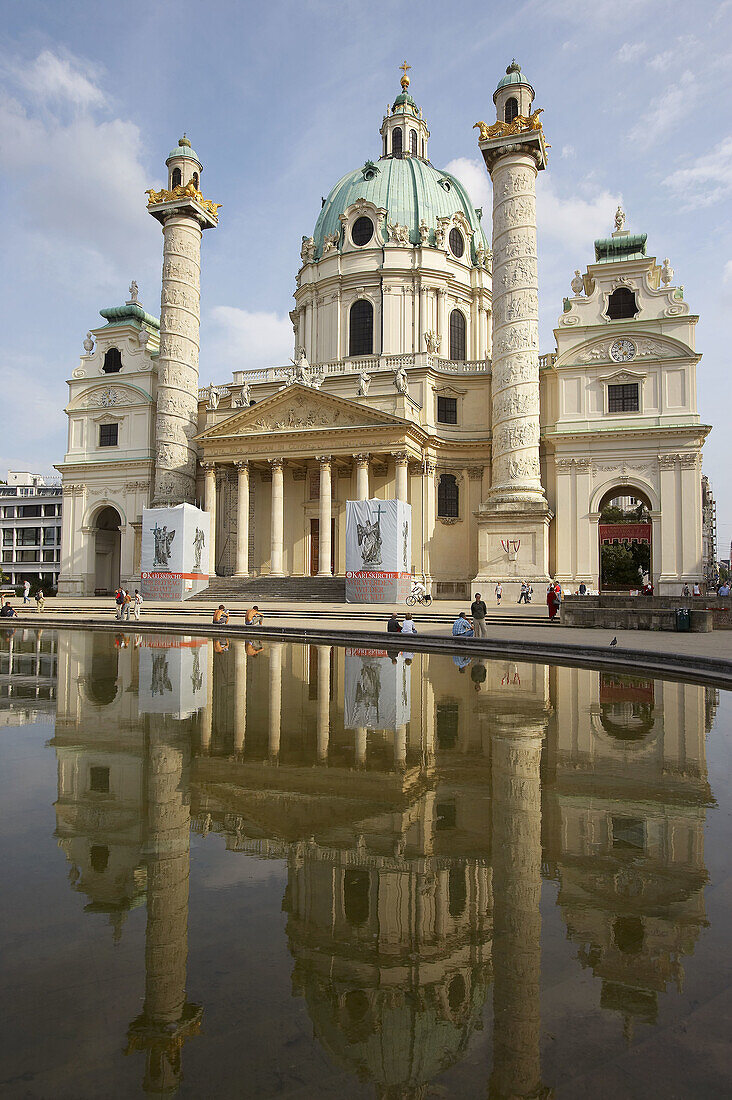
x,y
298,408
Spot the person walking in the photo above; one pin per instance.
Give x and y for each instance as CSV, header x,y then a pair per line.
x,y
696,590
137,605
126,604
499,593
408,626
461,628
686,591
26,591
553,602
524,595
393,626
40,600
478,610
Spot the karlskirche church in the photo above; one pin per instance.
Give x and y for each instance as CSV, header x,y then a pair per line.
x,y
416,376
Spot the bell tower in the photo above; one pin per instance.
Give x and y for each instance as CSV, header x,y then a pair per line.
x,y
513,522
183,213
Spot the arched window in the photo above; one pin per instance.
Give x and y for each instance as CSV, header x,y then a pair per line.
x,y
176,178
457,336
413,142
396,143
448,497
510,111
356,890
112,361
622,304
361,329
194,177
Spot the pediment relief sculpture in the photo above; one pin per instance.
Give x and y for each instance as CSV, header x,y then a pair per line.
x,y
644,348
107,397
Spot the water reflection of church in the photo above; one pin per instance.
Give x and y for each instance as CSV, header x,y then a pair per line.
x,y
417,805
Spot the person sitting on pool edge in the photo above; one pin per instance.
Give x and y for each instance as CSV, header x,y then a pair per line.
x,y
254,616
221,616
461,628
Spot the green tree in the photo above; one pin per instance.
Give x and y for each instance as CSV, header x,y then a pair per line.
x,y
624,565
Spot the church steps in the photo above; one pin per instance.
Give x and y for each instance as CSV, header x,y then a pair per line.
x,y
321,589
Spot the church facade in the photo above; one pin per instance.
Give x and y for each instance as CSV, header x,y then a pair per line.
x,y
416,376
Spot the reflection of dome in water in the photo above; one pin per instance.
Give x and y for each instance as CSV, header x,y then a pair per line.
x,y
401,1039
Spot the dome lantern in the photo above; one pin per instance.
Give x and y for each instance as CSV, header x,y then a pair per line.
x,y
404,132
183,165
514,95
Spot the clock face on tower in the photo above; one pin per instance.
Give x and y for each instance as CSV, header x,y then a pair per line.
x,y
622,350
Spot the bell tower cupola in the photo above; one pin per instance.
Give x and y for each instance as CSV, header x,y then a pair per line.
x,y
183,165
404,132
514,95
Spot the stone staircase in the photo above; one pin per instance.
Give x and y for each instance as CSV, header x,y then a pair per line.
x,y
320,589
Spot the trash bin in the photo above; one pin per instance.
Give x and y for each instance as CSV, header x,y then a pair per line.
x,y
683,619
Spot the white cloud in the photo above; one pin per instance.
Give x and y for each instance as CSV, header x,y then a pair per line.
x,y
78,179
630,51
27,443
573,221
567,152
244,340
474,177
661,60
728,272
667,110
54,78
707,180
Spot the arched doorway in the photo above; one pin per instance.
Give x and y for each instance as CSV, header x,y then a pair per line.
x,y
106,551
625,540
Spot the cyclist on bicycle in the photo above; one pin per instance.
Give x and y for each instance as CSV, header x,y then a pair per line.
x,y
418,590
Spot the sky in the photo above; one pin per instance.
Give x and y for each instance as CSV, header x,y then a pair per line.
x,y
282,99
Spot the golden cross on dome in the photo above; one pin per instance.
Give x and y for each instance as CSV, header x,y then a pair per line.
x,y
405,78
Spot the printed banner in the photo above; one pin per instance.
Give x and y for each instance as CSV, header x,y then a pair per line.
x,y
378,551
377,691
173,675
174,561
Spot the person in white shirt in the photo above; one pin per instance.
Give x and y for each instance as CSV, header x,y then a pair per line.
x,y
26,591
408,626
696,591
137,603
499,593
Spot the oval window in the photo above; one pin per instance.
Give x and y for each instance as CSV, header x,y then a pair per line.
x,y
457,245
363,231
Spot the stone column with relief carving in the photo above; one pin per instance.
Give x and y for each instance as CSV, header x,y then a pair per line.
x,y
183,216
515,514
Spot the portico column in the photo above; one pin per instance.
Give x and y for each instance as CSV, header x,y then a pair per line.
x,y
401,475
324,658
209,504
242,521
275,699
362,476
240,696
278,517
324,547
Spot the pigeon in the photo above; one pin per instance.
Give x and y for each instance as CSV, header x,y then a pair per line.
x,y
614,641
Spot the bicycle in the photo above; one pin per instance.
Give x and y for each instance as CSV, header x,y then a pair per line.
x,y
424,598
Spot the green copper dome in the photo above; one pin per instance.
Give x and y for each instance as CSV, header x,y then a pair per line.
x,y
513,76
410,190
404,103
183,149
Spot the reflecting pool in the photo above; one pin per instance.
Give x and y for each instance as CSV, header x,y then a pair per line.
x,y
253,869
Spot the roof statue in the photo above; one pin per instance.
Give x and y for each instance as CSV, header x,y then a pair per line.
x,y
619,219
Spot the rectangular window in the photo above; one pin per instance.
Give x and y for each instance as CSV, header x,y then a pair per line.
x,y
8,538
623,398
48,555
447,410
49,536
49,509
29,511
9,511
108,435
99,780
28,536
27,555
7,555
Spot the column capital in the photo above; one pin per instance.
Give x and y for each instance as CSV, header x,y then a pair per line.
x,y
324,460
208,467
401,457
276,463
243,465
429,467
362,459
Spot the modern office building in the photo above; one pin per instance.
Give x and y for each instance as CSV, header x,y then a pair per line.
x,y
30,528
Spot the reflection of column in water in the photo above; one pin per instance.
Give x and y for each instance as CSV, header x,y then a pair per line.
x,y
207,716
400,746
240,696
275,698
359,740
323,727
167,1019
516,916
